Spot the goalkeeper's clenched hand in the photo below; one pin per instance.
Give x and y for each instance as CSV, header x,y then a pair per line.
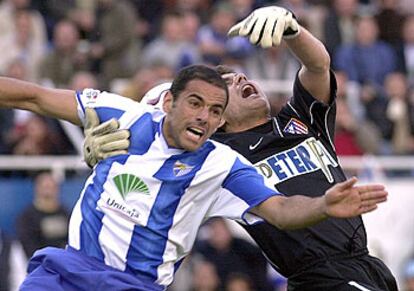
x,y
103,140
266,26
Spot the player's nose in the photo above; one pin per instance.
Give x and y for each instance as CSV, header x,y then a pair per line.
x,y
240,77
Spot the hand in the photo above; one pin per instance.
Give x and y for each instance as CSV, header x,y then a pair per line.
x,y
347,200
102,140
266,26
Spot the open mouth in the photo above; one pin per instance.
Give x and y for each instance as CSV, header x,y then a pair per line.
x,y
196,132
248,90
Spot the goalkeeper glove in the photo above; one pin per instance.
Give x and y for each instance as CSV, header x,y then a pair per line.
x,y
266,26
102,140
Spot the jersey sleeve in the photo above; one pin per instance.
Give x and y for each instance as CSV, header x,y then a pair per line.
x,y
107,105
314,113
242,190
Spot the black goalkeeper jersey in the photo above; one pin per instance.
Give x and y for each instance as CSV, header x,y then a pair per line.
x,y
295,153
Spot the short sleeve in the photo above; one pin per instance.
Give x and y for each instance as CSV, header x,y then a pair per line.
x,y
107,105
242,190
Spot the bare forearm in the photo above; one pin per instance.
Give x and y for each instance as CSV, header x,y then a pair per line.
x,y
17,94
314,74
293,212
310,51
47,102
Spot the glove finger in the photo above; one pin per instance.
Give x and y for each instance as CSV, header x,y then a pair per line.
x,y
106,127
101,141
113,153
114,146
248,24
257,32
91,118
235,30
278,31
288,20
267,33
291,26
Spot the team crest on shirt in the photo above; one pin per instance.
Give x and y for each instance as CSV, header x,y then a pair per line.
x,y
91,95
295,126
181,169
127,183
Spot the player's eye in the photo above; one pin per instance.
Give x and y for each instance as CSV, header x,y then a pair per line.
x,y
194,103
217,112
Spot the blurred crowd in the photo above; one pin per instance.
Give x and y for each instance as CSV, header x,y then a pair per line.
x,y
128,46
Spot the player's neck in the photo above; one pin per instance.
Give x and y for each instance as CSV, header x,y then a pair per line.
x,y
243,125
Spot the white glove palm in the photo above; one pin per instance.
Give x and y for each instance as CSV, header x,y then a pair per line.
x,y
266,26
102,140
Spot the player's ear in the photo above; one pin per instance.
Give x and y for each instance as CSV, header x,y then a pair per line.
x,y
168,102
222,122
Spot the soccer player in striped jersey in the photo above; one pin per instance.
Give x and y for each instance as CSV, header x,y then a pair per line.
x,y
138,214
294,152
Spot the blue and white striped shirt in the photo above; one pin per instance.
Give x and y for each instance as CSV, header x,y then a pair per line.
x,y
140,212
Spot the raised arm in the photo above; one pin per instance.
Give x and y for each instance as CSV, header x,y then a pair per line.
x,y
314,74
343,200
55,103
269,25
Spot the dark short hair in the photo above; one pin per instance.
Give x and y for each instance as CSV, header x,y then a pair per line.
x,y
223,69
198,72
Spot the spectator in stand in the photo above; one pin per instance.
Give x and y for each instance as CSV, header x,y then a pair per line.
x,y
390,21
338,27
274,63
352,137
37,137
22,44
205,277
351,122
238,282
375,105
64,60
149,15
45,222
143,80
191,25
242,8
400,112
82,80
172,40
233,255
406,49
11,118
200,7
360,60
117,50
214,45
311,16
53,12
8,9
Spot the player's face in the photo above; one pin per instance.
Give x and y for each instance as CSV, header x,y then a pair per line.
x,y
246,98
194,115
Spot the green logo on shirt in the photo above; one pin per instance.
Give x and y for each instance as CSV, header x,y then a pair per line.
x,y
126,183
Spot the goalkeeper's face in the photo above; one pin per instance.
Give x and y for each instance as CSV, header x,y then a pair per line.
x,y
246,99
194,115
